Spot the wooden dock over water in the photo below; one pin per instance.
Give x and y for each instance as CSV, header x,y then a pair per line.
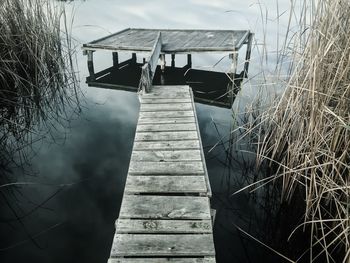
x,y
165,212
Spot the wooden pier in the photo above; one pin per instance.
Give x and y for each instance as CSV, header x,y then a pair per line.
x,y
210,87
165,214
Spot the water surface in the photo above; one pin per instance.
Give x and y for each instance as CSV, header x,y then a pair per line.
x,y
81,176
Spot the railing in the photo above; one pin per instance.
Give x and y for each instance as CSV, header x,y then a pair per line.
x,y
149,68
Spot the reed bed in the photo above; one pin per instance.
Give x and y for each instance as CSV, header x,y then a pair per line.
x,y
38,85
305,136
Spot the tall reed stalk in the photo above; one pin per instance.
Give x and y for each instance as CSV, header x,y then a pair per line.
x,y
37,78
305,136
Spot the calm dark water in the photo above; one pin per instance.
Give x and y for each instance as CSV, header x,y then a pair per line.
x,y
70,211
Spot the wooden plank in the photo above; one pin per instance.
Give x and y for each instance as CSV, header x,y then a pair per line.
x,y
162,260
166,120
166,107
106,37
166,156
169,92
209,193
169,145
166,127
162,245
165,168
248,53
178,41
166,114
133,226
149,69
164,207
160,100
167,88
165,184
166,136
165,95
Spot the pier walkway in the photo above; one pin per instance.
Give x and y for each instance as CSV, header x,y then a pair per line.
x,y
165,213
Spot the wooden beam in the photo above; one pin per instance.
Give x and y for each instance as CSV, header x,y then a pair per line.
x,y
189,60
163,260
165,135
234,59
209,192
148,70
173,60
165,207
146,226
247,56
133,58
166,145
115,59
166,155
162,62
165,184
90,63
148,245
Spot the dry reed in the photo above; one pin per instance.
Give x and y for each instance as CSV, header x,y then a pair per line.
x,y
37,79
305,136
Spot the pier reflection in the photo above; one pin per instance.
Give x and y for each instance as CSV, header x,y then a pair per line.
x,y
209,87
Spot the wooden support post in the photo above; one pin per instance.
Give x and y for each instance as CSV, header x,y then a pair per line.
x,y
173,60
133,58
90,64
162,62
247,56
232,89
115,59
234,58
162,67
189,60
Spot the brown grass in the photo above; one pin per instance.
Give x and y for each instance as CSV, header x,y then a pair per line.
x,y
306,134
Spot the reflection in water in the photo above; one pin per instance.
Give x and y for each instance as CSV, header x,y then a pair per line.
x,y
89,170
209,87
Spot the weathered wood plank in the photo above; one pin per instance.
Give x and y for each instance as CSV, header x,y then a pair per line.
x,y
162,260
165,168
165,184
166,114
164,207
148,70
175,41
166,156
169,88
165,95
147,226
169,145
160,100
156,120
166,136
209,193
166,127
166,107
162,245
154,220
